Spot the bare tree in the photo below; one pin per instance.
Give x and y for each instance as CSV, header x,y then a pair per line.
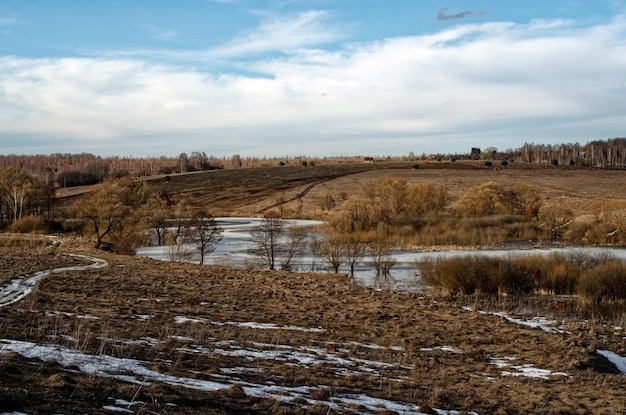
x,y
266,238
315,247
333,251
204,233
156,213
382,262
17,188
355,249
294,246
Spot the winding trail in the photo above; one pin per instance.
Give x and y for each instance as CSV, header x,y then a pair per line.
x,y
19,287
298,196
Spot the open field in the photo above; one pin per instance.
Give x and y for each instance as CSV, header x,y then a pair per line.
x,y
135,335
248,192
142,336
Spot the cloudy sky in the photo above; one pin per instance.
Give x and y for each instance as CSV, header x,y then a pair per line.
x,y
311,77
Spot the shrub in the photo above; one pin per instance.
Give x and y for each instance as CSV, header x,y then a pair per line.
x,y
29,224
463,275
519,274
504,163
488,164
604,283
124,246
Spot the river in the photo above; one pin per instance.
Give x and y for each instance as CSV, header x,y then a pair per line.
x,y
233,250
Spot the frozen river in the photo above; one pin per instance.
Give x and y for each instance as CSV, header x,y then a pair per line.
x,y
234,250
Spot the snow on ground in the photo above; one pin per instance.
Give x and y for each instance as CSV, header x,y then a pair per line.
x,y
617,360
248,324
523,370
134,371
268,326
19,287
548,326
537,322
66,314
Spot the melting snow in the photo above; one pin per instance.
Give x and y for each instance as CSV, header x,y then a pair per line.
x,y
542,323
134,371
617,360
20,287
268,326
525,370
248,324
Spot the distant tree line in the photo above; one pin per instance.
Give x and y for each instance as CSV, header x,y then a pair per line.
x,y
23,196
609,153
68,170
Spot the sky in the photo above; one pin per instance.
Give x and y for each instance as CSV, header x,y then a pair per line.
x,y
308,77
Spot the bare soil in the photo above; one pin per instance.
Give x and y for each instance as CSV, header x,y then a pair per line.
x,y
406,348
299,189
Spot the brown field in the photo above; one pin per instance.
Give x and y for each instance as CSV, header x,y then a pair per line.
x,y
217,340
250,191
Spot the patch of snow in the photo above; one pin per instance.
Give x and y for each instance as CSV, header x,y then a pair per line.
x,y
377,404
442,348
124,402
65,313
617,360
19,287
542,323
129,370
267,326
135,371
182,320
526,370
182,339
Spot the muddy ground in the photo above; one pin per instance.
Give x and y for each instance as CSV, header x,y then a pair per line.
x,y
282,342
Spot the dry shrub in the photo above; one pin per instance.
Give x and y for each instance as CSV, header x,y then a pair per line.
x,y
515,274
463,275
23,241
560,272
124,246
29,224
604,283
484,231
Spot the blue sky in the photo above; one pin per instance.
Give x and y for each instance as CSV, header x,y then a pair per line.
x,y
308,77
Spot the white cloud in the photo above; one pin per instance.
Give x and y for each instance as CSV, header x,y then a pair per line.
x,y
496,84
282,33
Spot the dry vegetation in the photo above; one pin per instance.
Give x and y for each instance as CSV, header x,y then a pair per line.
x,y
247,191
404,348
330,339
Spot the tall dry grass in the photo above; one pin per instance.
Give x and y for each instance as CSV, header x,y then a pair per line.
x,y
605,283
556,274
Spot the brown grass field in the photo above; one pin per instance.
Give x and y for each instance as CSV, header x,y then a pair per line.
x,y
217,340
250,191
